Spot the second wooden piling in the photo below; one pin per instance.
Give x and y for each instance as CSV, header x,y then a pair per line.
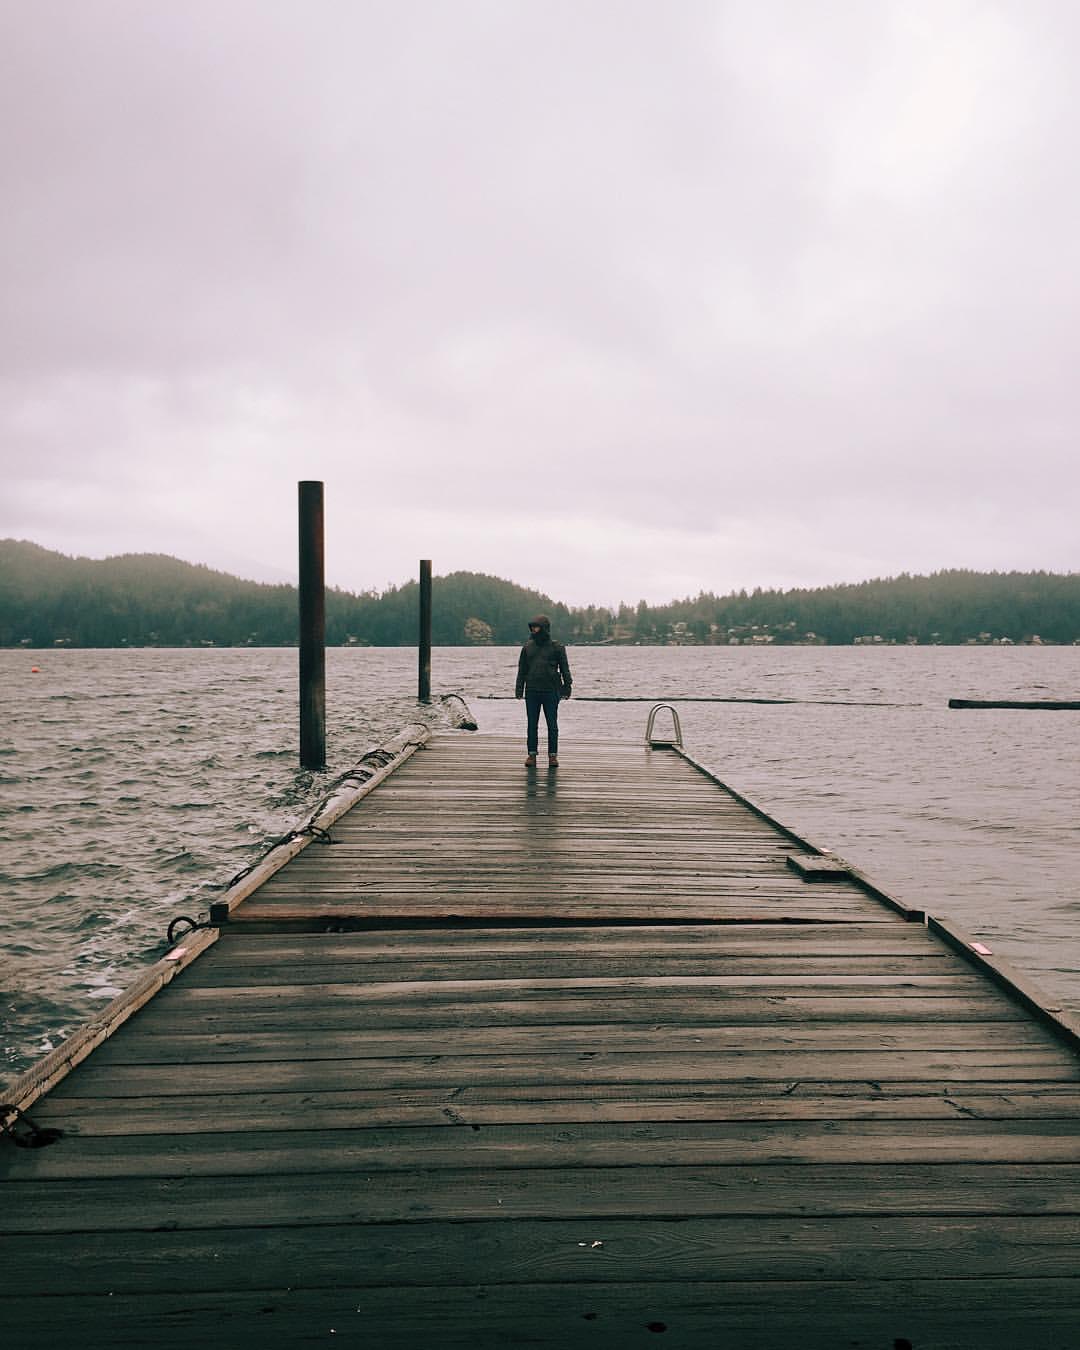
x,y
312,628
424,692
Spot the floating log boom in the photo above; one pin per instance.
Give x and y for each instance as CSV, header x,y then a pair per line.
x,y
1034,704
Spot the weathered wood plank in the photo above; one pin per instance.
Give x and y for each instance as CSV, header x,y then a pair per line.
x,y
932,1314
615,966
559,1144
653,940
643,1252
946,983
126,1116
147,1204
956,981
451,909
961,1067
183,1045
284,1007
731,1099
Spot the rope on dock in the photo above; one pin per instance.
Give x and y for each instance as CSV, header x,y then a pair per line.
x,y
374,762
346,790
173,932
361,773
354,784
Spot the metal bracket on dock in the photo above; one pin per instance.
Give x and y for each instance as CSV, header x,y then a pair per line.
x,y
656,743
22,1131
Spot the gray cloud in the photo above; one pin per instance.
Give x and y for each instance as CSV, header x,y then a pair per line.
x,y
614,298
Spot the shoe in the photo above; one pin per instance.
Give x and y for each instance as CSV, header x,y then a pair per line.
x,y
553,761
530,761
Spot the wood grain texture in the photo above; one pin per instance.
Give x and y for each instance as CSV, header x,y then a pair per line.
x,y
567,1118
813,1314
613,834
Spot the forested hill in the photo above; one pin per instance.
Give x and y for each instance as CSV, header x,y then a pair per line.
x,y
49,599
148,599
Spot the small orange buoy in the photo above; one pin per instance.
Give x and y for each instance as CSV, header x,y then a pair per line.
x,y
35,670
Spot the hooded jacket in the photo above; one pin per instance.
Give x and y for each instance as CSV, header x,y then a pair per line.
x,y
542,665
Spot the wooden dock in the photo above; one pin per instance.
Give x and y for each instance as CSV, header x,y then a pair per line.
x,y
571,1058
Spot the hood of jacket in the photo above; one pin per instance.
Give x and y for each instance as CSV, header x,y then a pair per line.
x,y
544,623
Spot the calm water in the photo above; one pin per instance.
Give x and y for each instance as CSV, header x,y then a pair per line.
x,y
134,784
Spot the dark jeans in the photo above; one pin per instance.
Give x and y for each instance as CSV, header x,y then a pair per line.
x,y
550,704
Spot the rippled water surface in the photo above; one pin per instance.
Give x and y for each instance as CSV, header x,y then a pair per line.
x,y
134,784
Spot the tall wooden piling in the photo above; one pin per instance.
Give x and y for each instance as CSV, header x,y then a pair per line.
x,y
424,693
312,628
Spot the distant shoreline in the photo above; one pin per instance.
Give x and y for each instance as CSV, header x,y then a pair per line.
x,y
480,646
49,600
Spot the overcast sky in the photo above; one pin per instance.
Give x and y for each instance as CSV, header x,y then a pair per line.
x,y
618,299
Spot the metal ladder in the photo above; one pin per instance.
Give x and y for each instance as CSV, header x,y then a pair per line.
x,y
657,742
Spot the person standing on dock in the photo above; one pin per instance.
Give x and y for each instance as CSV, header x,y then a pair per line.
x,y
543,678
